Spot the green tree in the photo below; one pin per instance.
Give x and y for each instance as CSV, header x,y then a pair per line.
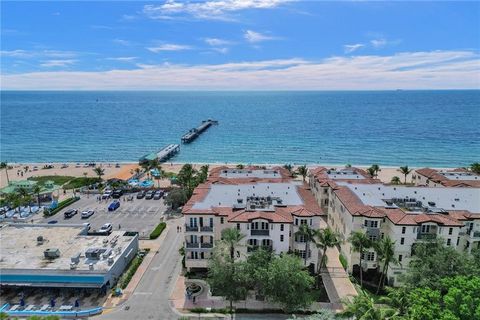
x,y
397,298
475,167
360,242
289,167
308,235
99,172
186,178
321,314
36,190
386,255
363,307
176,197
4,165
395,180
202,175
325,239
258,264
303,171
405,171
371,172
240,166
376,169
231,238
288,283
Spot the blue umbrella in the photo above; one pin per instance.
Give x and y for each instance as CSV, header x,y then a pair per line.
x,y
77,304
22,302
52,302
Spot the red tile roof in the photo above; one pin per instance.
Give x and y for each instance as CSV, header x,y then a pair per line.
x,y
435,176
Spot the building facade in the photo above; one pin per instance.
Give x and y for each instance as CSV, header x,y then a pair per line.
x,y
266,205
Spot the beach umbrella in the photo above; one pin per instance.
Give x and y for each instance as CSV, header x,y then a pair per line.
x,y
77,304
52,302
22,302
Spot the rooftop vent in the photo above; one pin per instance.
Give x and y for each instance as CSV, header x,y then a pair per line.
x,y
51,253
94,253
40,240
90,266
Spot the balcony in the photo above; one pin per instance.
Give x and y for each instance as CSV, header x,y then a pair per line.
x,y
260,232
206,229
475,235
255,248
206,245
192,245
426,236
191,228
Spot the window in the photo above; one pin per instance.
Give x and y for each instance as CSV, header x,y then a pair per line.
x,y
281,238
296,221
425,228
402,240
458,240
281,227
369,256
193,222
370,223
404,229
449,242
325,190
450,231
325,202
238,226
222,220
400,257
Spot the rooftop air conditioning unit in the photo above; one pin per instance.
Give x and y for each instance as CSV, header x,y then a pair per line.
x,y
75,259
40,240
52,253
110,261
90,266
73,266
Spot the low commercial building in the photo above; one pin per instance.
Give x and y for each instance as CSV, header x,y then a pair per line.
x,y
408,215
446,178
266,205
63,256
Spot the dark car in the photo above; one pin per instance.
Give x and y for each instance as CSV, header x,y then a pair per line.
x,y
114,205
149,194
117,194
70,213
158,195
52,222
141,195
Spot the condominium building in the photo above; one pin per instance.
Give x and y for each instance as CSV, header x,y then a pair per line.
x,y
406,214
266,205
446,178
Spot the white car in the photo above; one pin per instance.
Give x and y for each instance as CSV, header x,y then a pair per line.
x,y
87,214
106,228
107,194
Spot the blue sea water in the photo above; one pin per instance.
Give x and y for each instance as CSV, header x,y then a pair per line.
x,y
418,128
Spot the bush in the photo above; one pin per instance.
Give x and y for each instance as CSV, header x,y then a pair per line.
x,y
343,261
132,268
158,230
61,205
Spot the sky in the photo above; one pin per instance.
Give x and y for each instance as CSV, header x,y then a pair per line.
x,y
240,45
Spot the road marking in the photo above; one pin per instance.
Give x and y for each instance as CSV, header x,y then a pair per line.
x,y
142,293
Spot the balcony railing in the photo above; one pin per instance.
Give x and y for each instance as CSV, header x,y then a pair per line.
x,y
426,236
191,228
206,245
206,229
192,244
260,232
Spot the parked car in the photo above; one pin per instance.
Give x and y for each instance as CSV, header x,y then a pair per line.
x,y
141,194
114,205
107,194
87,225
87,214
52,222
106,228
158,195
70,213
149,195
130,198
117,193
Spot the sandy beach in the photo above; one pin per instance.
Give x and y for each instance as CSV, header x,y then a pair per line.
x,y
124,170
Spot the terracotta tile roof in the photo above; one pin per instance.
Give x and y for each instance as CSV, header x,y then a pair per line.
x,y
320,174
463,215
435,176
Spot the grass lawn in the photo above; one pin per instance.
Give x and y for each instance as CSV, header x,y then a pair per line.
x,y
76,183
58,180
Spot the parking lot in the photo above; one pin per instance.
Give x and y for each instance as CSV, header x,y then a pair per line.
x,y
139,215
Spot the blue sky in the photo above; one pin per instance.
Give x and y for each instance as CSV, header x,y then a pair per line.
x,y
240,44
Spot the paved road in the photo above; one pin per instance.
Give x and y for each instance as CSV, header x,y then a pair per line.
x,y
151,297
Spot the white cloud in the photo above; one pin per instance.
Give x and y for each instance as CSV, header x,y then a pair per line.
x,y
223,50
57,63
215,42
20,53
212,9
122,42
15,53
123,59
254,37
349,48
408,70
382,42
169,47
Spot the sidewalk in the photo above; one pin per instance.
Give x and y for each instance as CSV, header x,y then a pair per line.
x,y
336,281
153,245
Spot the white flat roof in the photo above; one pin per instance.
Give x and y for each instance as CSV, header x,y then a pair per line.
x,y
19,248
221,195
444,198
247,173
346,174
453,175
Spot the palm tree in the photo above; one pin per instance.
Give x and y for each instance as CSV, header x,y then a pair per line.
x,y
363,307
325,239
308,235
405,171
397,298
303,171
360,242
99,172
203,174
137,171
475,167
289,167
395,180
386,254
231,237
36,190
186,178
371,172
240,166
376,169
4,165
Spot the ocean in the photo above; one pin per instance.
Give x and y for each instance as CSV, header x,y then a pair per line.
x,y
391,128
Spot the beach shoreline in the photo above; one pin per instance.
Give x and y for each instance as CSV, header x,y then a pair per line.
x,y
124,170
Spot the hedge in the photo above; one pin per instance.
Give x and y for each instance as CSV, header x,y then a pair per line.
x,y
60,206
132,268
343,261
158,230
